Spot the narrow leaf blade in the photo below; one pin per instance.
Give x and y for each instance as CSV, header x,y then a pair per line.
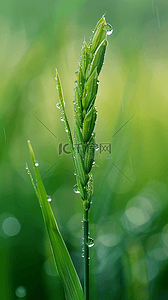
x,y
65,267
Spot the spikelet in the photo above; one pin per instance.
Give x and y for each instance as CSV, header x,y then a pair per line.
x,y
83,146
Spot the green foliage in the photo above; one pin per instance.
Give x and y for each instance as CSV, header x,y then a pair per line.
x,y
65,267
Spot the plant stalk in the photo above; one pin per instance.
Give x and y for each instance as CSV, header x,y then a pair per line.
x,y
86,254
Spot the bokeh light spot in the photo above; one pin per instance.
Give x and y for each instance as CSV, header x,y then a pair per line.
x,y
136,216
50,267
109,239
21,291
11,226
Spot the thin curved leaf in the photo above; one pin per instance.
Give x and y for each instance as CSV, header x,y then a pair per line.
x,y
72,287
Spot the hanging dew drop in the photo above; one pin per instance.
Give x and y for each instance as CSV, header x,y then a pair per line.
x,y
83,255
75,188
109,29
66,129
90,242
97,148
62,119
58,105
49,198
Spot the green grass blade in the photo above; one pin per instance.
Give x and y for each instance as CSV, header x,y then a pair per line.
x,y
65,267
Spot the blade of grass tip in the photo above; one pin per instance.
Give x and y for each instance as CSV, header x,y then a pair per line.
x,y
72,286
62,108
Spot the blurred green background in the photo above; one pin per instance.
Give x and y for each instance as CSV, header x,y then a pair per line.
x,y
129,214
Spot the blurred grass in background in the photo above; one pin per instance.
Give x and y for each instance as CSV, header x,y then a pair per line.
x,y
129,215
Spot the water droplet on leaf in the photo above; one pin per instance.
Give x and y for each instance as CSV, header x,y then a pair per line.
x,y
109,29
75,188
36,163
49,198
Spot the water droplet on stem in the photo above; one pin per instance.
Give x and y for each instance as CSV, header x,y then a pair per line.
x,y
58,105
90,242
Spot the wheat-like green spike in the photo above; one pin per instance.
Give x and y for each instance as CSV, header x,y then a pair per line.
x,y
91,61
83,148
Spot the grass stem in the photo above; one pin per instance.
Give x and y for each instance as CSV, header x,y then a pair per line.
x,y
86,254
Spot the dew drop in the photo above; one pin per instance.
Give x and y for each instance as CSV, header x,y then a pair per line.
x,y
96,148
75,188
36,163
49,198
74,173
57,87
109,29
90,242
62,119
66,129
83,255
58,105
